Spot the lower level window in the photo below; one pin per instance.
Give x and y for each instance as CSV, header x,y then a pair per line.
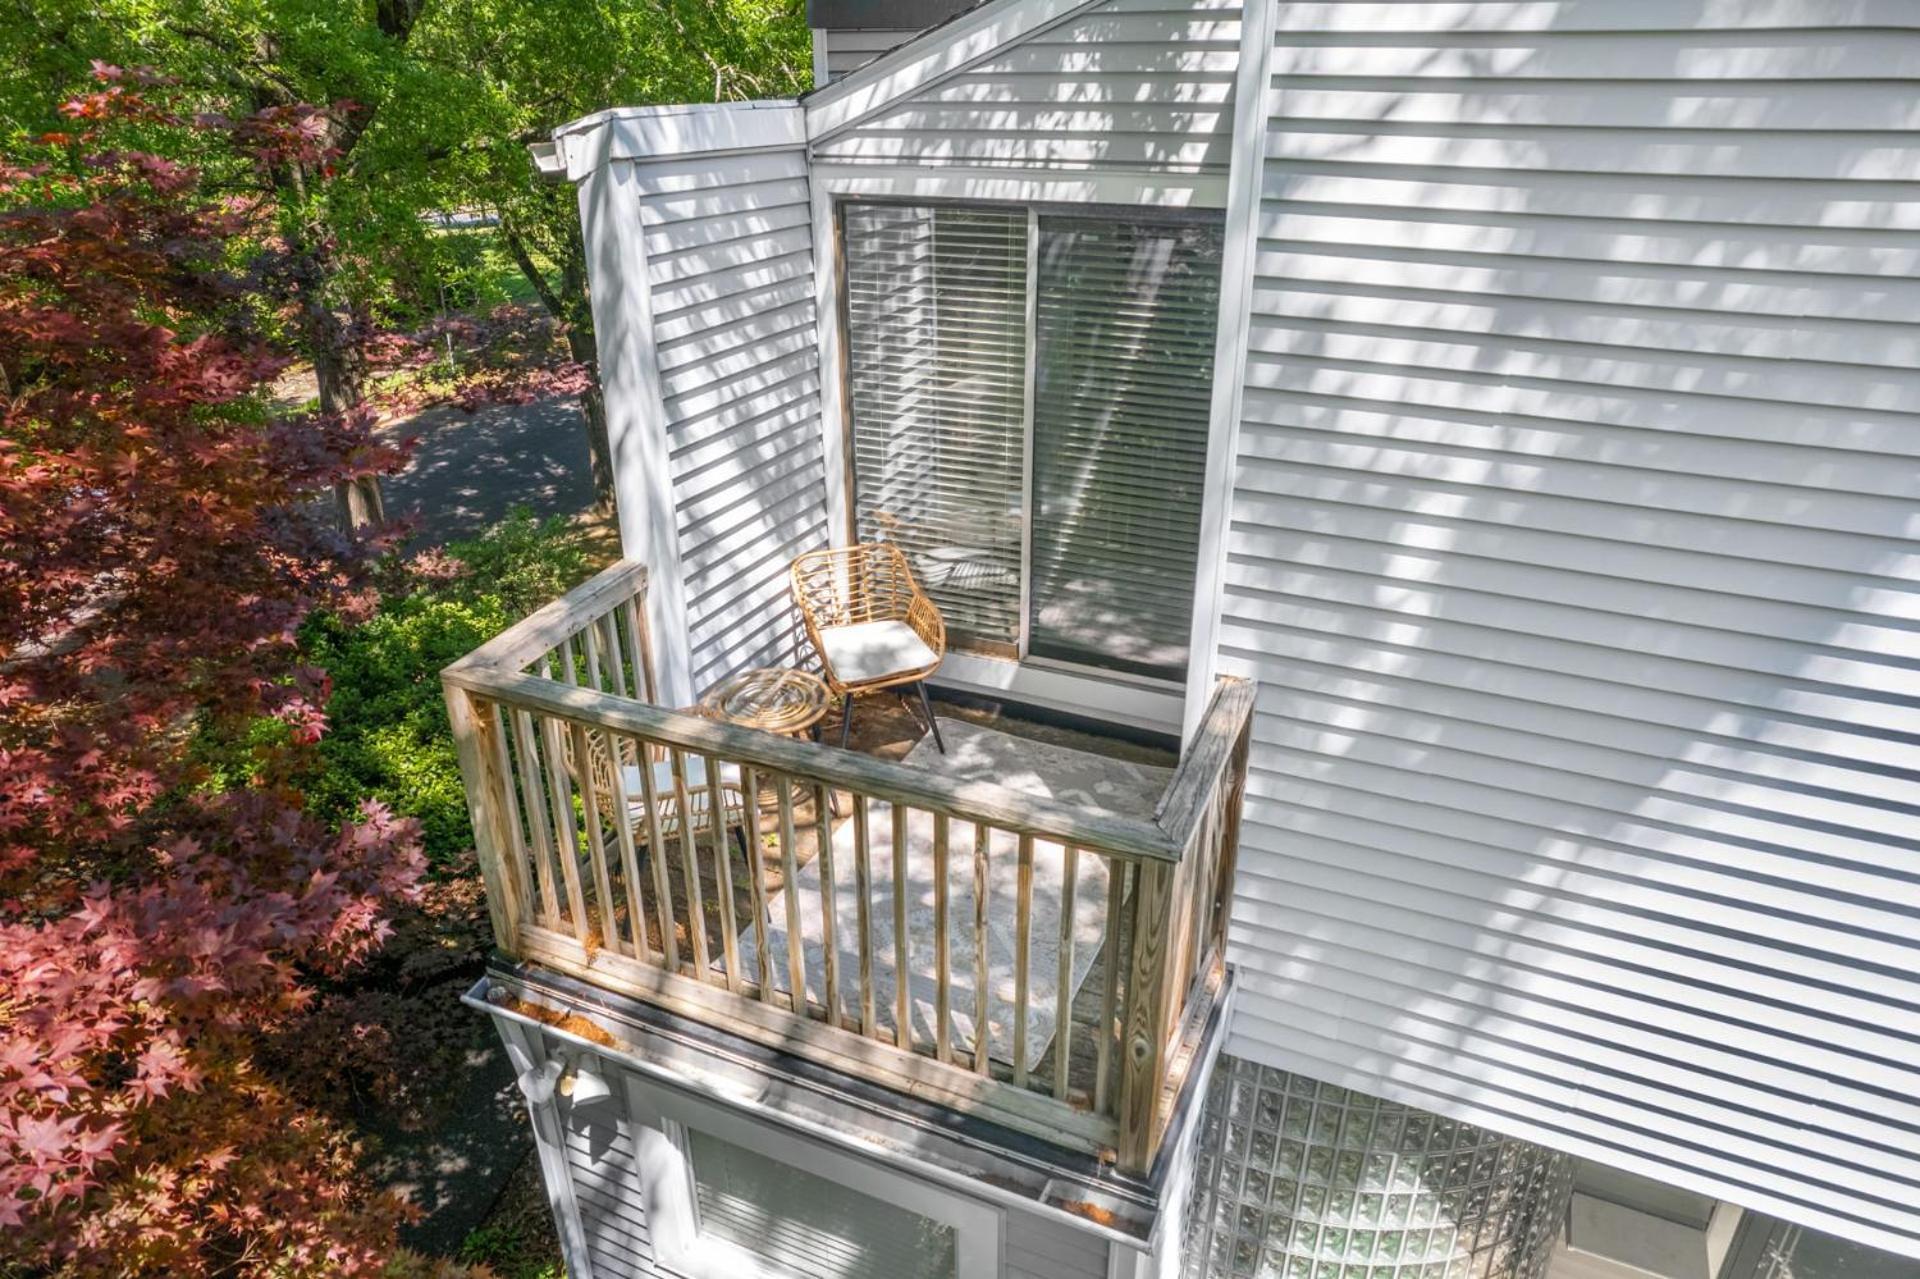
x,y
795,1223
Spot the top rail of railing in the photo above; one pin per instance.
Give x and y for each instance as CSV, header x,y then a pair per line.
x,y
496,670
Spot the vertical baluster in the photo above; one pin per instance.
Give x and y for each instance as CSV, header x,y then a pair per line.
x,y
1117,871
563,662
723,872
829,921
509,794
657,855
790,889
943,956
902,992
534,805
1063,989
690,865
750,791
1022,955
590,643
982,1006
596,838
863,886
640,651
566,836
610,654
629,855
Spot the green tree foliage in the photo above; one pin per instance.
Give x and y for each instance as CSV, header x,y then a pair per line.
x,y
388,737
534,66
430,106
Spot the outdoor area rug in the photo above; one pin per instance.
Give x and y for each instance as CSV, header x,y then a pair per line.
x,y
974,753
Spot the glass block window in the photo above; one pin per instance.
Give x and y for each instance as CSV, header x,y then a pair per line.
x,y
1296,1179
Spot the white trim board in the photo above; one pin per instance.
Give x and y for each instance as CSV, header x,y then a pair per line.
x,y
1115,700
651,133
1014,185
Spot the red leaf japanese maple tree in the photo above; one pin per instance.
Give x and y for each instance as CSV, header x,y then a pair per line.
x,y
162,536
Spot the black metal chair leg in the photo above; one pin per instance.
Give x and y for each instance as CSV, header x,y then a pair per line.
x,y
926,704
846,720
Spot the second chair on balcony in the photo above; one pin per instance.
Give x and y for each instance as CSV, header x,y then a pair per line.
x,y
872,626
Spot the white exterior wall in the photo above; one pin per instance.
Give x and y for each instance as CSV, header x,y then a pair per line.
x,y
729,251
588,1156
701,258
1572,547
1123,85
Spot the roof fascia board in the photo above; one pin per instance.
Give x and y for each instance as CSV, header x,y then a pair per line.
x,y
925,60
652,133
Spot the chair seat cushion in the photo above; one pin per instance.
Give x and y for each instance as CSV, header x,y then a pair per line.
x,y
874,650
695,774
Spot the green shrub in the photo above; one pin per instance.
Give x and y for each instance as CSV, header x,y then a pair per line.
x,y
388,737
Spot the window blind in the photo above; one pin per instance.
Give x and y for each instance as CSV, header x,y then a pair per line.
x,y
1125,318
936,356
807,1226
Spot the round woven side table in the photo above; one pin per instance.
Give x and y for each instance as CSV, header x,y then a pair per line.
x,y
778,699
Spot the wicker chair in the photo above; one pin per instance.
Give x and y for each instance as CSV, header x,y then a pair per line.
x,y
666,799
870,623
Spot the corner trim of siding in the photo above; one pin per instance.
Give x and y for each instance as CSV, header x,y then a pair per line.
x,y
1234,331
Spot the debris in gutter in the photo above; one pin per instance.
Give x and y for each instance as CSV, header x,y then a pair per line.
x,y
571,1023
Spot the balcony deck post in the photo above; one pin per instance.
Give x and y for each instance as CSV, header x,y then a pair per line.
x,y
494,841
1144,1036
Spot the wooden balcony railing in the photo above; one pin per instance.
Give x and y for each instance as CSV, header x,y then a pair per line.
x,y
592,813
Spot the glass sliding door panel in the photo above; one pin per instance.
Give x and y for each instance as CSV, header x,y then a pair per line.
x,y
1125,320
936,357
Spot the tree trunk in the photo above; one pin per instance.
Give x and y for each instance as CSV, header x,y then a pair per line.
x,y
341,379
567,304
593,404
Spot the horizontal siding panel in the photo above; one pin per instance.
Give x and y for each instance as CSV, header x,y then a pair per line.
x,y
1744,1122
1277,526
1862,105
1877,261
1713,298
1871,515
1573,546
1751,548
1846,53
1615,664
1657,200
1571,16
1771,154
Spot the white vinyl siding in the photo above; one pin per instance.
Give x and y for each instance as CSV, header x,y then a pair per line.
x,y
1572,549
729,254
1143,85
606,1189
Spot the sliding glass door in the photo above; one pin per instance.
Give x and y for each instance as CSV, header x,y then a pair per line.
x,y
1028,401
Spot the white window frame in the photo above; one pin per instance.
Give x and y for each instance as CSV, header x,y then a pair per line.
x,y
663,1165
1142,702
